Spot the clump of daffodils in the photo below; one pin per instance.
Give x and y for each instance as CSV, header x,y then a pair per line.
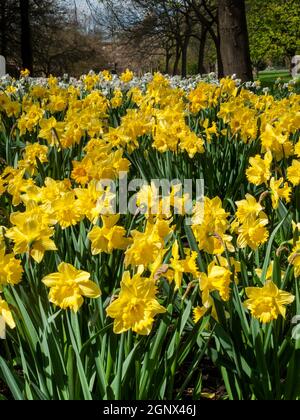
x,y
67,136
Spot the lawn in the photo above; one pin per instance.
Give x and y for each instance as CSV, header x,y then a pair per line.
x,y
269,77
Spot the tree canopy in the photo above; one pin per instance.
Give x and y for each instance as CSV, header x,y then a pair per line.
x,y
274,30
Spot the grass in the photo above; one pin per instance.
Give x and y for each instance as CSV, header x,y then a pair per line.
x,y
268,78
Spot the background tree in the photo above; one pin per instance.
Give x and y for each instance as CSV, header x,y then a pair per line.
x,y
3,27
234,41
167,31
274,31
9,27
46,36
26,44
207,14
136,32
65,41
174,36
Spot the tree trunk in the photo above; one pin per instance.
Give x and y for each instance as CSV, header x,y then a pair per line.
x,y
215,37
201,69
3,30
184,57
216,40
234,41
177,58
167,65
26,45
221,72
168,59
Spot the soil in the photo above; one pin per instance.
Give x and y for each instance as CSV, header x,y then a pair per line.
x,y
4,391
212,384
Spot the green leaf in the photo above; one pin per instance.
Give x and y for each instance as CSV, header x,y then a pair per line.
x,y
10,380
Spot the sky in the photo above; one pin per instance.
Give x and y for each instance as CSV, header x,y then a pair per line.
x,y
81,4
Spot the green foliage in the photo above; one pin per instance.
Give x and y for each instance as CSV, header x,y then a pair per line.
x,y
274,29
